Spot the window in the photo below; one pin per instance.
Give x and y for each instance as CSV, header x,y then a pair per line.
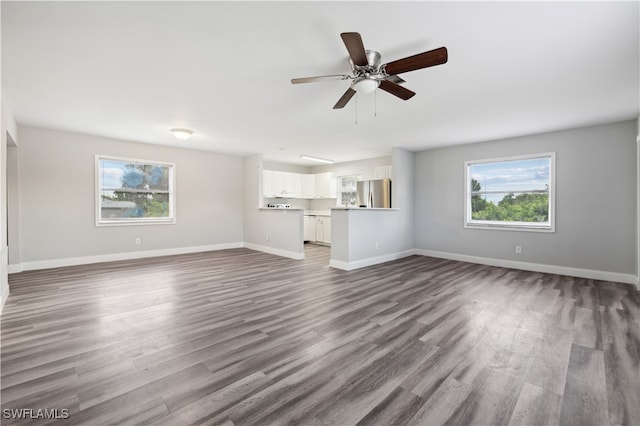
x,y
134,192
511,193
348,190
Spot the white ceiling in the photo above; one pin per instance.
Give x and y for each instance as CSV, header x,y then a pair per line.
x,y
132,70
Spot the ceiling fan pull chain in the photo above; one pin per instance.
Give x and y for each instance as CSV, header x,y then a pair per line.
x,y
356,109
375,103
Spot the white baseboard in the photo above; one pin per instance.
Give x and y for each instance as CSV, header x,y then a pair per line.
x,y
535,267
338,264
84,260
278,252
14,268
4,281
357,264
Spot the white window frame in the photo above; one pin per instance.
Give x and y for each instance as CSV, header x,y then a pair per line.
x,y
549,226
100,221
339,201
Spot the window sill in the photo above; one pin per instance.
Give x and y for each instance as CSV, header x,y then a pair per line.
x,y
134,223
506,227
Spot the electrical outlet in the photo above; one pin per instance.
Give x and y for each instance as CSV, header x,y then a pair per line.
x,y
267,237
377,246
518,249
138,241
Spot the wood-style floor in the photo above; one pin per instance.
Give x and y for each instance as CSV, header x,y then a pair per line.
x,y
243,337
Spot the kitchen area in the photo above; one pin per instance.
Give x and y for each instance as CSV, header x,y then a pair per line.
x,y
327,196
349,185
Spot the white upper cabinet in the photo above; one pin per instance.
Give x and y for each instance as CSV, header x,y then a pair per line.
x,y
383,172
284,184
296,185
326,185
308,186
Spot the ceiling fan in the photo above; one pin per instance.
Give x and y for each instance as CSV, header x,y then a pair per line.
x,y
368,74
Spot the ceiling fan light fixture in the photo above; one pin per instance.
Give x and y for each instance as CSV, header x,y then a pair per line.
x,y
365,84
182,134
319,160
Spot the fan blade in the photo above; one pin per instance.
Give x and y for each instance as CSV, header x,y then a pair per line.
x,y
416,62
395,79
320,78
396,89
345,98
355,47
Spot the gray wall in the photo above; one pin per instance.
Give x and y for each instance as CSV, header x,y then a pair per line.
x,y
596,186
57,197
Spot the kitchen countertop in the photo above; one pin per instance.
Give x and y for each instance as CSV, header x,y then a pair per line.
x,y
280,208
366,208
317,212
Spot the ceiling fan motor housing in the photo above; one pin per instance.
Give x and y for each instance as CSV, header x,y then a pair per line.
x,y
372,67
367,77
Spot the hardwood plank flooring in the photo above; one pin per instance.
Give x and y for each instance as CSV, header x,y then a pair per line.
x,y
239,337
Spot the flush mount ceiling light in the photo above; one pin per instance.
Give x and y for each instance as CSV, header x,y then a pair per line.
x,y
182,134
319,160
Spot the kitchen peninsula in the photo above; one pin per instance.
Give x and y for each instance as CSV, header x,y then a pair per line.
x,y
357,236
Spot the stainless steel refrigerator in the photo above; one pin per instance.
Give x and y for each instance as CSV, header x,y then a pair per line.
x,y
374,193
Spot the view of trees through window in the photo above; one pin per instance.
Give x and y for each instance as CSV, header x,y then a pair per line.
x,y
526,207
134,190
514,191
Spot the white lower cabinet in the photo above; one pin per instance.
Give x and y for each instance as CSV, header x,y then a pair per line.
x,y
326,230
310,228
323,229
317,229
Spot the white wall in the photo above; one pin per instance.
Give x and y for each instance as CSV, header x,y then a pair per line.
x,y
8,129
13,200
282,167
273,231
366,168
638,204
57,200
363,237
4,255
596,214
